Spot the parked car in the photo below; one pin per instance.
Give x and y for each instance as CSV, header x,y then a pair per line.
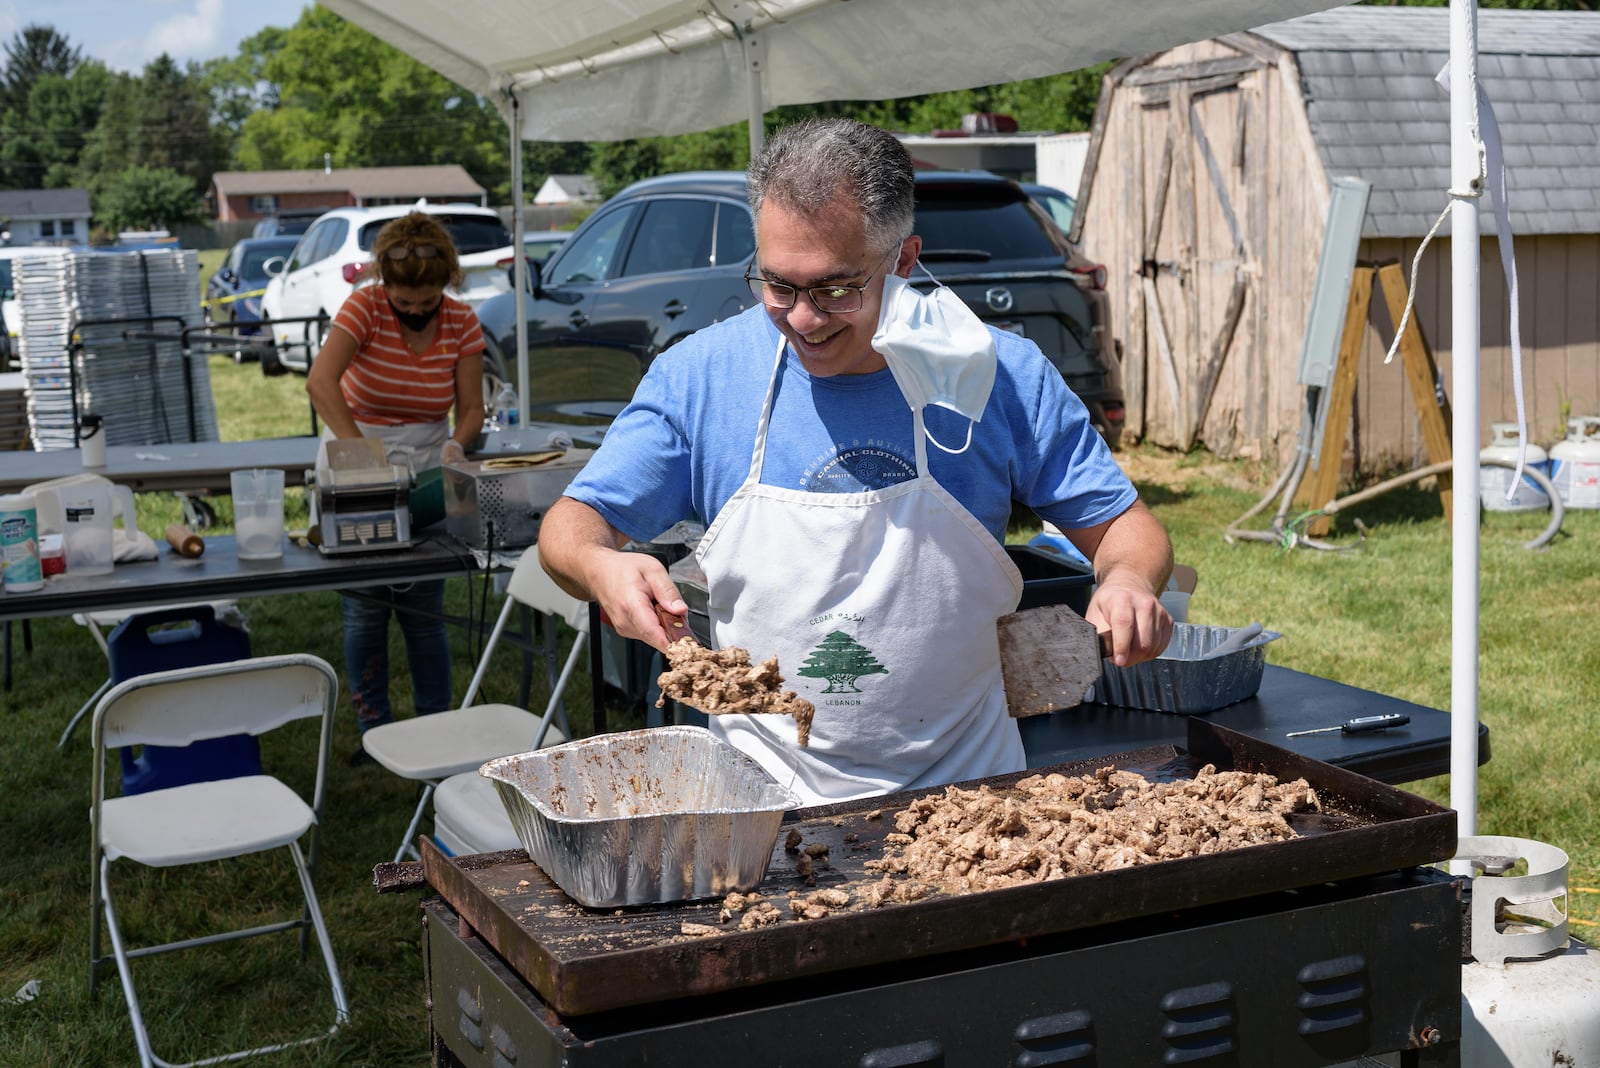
x,y
287,223
1059,204
234,290
330,259
666,257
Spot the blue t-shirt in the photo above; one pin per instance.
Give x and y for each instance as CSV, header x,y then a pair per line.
x,y
683,445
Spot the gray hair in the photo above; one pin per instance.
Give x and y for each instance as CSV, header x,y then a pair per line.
x,y
809,166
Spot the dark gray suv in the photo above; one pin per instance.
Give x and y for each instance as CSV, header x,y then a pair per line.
x,y
667,256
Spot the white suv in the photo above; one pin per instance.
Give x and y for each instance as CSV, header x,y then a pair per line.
x,y
322,270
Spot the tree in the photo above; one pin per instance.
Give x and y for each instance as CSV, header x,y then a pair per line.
x,y
841,660
33,53
41,145
342,92
160,119
148,198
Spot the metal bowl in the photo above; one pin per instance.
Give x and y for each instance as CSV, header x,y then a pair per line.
x,y
1185,679
644,817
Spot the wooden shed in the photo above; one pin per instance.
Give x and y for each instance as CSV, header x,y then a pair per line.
x,y
1206,195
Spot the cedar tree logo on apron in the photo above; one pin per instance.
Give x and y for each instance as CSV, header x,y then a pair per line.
x,y
841,660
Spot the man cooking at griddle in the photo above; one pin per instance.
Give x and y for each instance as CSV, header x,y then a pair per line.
x,y
854,447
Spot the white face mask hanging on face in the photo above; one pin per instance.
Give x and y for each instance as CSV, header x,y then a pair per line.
x,y
938,350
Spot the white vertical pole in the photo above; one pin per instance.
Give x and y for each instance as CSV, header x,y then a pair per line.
x,y
1464,360
519,258
755,59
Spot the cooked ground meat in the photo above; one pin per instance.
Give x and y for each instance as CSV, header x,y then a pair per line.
x,y
1053,826
720,681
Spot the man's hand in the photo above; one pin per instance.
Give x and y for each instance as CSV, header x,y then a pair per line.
x,y
1132,560
452,452
1138,624
631,587
583,554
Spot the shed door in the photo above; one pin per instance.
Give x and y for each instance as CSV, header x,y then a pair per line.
x,y
1200,246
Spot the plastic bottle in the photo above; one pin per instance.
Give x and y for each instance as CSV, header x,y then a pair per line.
x,y
1575,463
505,408
1493,481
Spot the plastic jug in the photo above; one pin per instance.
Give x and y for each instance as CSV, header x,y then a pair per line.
x,y
258,513
1494,481
1575,463
88,518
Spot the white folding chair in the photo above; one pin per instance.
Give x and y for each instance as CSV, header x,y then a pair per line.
x,y
433,747
209,821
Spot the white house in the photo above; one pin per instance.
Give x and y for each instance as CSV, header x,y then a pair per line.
x,y
567,189
44,217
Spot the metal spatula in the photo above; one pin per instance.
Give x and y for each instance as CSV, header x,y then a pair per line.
x,y
1049,657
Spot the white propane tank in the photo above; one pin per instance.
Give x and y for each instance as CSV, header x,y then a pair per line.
x,y
1530,995
1493,481
1575,463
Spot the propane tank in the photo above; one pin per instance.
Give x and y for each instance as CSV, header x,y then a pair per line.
x,y
1530,995
1493,482
1575,463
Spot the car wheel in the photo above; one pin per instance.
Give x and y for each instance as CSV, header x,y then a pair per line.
x,y
197,513
272,365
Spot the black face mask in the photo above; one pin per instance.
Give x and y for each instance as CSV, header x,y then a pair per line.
x,y
417,321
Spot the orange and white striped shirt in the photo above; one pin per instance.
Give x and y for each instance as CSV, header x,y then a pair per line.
x,y
386,383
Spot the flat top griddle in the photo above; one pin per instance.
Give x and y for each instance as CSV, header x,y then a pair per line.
x,y
584,960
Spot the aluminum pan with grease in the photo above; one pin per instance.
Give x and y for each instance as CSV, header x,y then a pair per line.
x,y
644,817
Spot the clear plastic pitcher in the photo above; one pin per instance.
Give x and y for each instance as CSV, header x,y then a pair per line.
x,y
88,517
258,513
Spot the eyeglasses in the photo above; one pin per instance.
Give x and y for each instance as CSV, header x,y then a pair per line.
x,y
833,299
401,252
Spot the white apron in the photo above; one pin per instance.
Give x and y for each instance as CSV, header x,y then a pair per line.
x,y
881,609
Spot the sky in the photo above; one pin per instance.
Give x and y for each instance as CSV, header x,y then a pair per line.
x,y
127,34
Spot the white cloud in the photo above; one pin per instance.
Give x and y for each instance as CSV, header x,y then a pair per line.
x,y
191,35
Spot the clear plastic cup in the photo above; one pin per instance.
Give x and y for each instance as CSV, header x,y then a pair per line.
x,y
258,513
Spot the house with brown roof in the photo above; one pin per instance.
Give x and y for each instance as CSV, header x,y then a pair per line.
x,y
245,196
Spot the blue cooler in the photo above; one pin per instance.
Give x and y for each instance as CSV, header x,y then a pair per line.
x,y
163,640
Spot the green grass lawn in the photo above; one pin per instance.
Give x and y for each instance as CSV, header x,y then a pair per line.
x,y
1376,616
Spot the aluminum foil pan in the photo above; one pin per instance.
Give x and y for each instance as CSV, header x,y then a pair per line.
x,y
643,817
1183,679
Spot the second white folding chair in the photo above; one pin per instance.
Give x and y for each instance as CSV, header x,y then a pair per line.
x,y
433,747
200,823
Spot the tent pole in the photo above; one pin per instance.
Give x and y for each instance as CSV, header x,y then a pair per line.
x,y
519,259
755,55
1465,184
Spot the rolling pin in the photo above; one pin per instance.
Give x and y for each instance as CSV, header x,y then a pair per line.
x,y
184,541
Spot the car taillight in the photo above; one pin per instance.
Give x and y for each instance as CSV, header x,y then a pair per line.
x,y
1094,274
352,271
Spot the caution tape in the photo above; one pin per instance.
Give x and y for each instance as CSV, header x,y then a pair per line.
x,y
217,301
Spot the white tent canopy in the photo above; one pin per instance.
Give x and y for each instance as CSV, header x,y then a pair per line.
x,y
603,70
599,70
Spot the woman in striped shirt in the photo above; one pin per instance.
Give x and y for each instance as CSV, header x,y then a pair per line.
x,y
399,356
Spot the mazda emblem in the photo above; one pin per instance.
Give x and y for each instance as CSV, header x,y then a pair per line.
x,y
999,298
